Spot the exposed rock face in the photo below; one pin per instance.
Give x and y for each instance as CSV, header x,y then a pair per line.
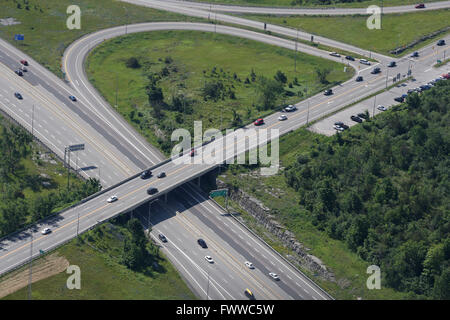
x,y
262,214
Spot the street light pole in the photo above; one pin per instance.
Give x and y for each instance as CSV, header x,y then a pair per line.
x,y
374,103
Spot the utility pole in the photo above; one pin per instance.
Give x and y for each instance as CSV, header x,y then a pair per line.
x,y
32,122
374,103
31,264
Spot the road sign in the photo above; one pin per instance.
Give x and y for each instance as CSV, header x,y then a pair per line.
x,y
312,38
41,251
218,193
19,37
76,147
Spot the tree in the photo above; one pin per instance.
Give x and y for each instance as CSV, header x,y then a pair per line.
x,y
133,63
269,91
280,77
135,246
322,75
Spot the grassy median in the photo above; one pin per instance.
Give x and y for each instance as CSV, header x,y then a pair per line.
x,y
43,22
397,29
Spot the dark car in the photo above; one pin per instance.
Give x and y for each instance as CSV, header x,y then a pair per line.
x,y
161,174
399,99
19,72
202,243
146,174
359,78
344,126
392,64
24,62
419,6
152,190
73,98
162,237
362,115
328,92
375,70
415,54
18,95
356,119
441,42
350,58
339,123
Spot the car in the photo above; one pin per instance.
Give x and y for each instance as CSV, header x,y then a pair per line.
x,y
112,199
161,175
381,108
446,76
338,128
363,115
356,119
441,42
249,265
146,174
359,78
249,294
202,243
19,72
335,54
425,87
274,276
282,117
350,58
23,68
392,64
18,95
152,190
339,123
344,126
73,98
46,231
419,6
410,91
193,152
24,62
404,96
364,61
415,54
328,92
162,237
375,70
209,259
259,122
399,99
290,108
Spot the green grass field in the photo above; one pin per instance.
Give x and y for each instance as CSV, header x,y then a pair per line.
x,y
311,4
397,29
45,30
195,55
103,277
349,269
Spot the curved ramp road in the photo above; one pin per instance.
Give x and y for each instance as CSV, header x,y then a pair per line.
x,y
256,25
303,11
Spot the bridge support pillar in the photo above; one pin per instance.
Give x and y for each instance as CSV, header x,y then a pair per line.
x,y
198,181
165,197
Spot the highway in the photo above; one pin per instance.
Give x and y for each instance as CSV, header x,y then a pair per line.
x,y
190,215
257,9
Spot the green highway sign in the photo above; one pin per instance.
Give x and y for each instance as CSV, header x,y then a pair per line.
x,y
218,193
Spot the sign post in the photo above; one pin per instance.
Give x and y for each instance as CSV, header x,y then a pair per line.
x,y
220,193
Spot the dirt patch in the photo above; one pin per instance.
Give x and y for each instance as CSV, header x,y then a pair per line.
x,y
42,268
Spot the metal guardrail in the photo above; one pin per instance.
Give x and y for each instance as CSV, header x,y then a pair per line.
x,y
275,251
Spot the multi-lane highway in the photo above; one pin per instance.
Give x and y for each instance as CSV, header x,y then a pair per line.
x,y
302,11
188,214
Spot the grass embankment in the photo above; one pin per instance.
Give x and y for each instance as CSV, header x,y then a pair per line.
x,y
185,61
397,29
273,191
103,277
45,30
312,3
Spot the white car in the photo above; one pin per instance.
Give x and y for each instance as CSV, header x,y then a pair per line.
x,y
209,259
249,265
46,231
23,68
290,108
364,61
112,199
338,128
335,54
282,117
381,108
274,276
